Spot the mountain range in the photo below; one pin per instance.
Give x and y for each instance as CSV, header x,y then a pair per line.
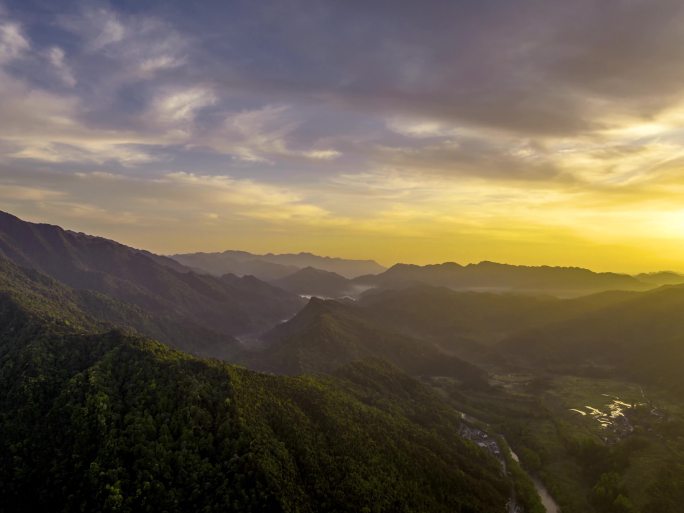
x,y
310,275
130,381
495,277
93,419
225,306
420,328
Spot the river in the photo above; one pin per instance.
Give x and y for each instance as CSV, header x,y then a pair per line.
x,y
546,499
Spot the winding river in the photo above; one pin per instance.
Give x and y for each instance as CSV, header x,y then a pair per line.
x,y
546,499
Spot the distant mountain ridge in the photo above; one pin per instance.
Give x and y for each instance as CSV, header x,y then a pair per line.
x,y
492,276
661,278
273,266
295,272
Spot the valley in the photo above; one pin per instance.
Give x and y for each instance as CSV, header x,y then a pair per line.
x,y
609,459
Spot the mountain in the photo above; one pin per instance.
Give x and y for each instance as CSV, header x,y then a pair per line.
x,y
161,286
423,330
314,282
661,278
490,276
273,266
327,335
642,337
104,421
89,310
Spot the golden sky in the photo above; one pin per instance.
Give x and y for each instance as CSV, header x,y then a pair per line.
x,y
534,133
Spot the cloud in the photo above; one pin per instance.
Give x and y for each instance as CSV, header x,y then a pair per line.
x,y
92,152
56,57
12,41
534,68
160,62
264,135
223,196
247,198
182,105
348,119
44,126
111,31
321,154
100,27
22,193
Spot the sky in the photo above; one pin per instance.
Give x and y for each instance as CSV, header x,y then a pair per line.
x,y
527,132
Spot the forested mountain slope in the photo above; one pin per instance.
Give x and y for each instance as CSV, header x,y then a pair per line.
x,y
327,334
642,337
452,316
89,310
108,422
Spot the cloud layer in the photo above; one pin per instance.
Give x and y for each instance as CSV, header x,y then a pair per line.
x,y
522,131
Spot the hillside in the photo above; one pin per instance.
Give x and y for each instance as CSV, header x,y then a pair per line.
x,y
457,317
494,277
159,285
275,266
326,335
88,310
107,422
640,337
